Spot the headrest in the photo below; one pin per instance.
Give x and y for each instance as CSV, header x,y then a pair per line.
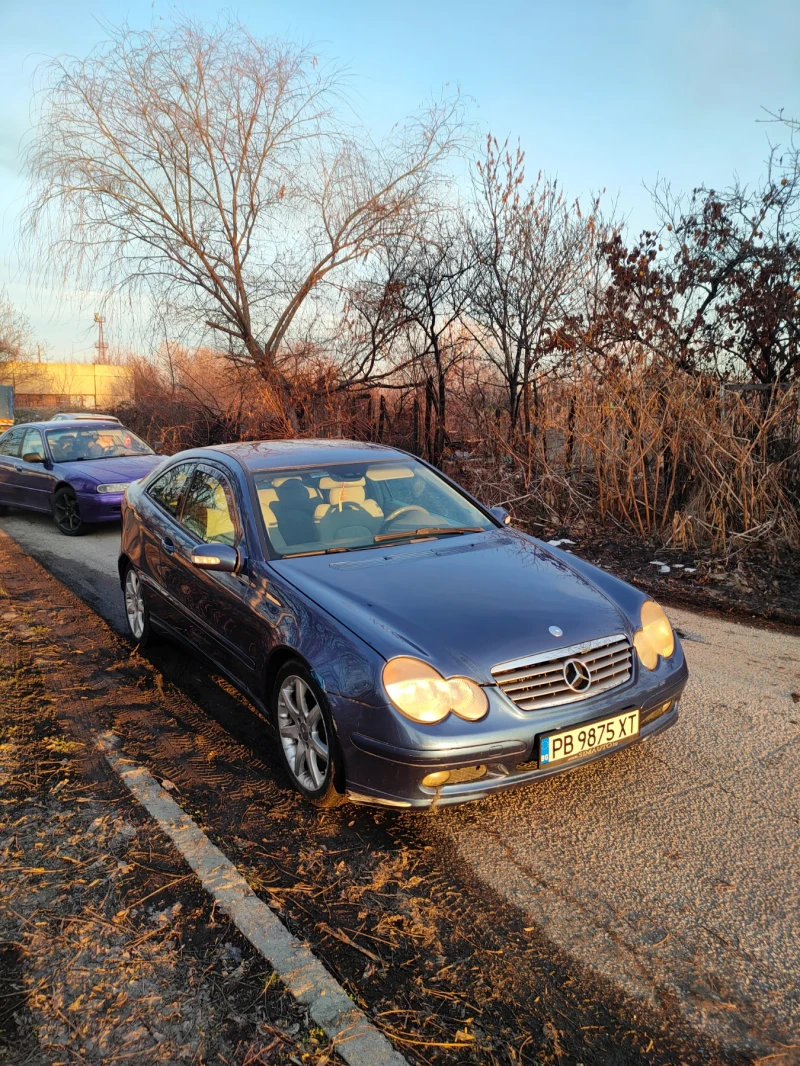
x,y
347,492
292,492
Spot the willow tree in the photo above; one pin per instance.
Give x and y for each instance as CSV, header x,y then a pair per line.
x,y
220,174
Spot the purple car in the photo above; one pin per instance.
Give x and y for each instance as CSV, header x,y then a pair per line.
x,y
77,471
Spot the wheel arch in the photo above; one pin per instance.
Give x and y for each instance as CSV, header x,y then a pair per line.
x,y
59,485
122,565
277,658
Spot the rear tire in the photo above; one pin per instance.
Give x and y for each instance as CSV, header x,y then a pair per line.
x,y
306,737
136,611
66,513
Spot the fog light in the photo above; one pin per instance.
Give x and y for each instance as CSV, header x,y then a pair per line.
x,y
437,778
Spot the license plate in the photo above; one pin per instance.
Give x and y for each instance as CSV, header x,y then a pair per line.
x,y
583,739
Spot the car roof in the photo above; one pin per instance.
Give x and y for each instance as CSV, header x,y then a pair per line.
x,y
280,454
63,423
87,416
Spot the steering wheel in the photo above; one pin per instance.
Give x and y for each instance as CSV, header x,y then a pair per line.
x,y
405,511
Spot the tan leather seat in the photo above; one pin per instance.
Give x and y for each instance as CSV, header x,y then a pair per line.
x,y
348,514
266,497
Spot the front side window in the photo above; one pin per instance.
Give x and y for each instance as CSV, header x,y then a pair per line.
x,y
10,442
166,490
94,442
32,445
209,511
361,505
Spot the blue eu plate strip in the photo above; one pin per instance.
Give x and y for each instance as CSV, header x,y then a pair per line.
x,y
544,750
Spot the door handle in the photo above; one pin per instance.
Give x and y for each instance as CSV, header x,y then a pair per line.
x,y
167,545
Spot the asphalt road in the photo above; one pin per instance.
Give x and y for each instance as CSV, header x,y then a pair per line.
x,y
672,868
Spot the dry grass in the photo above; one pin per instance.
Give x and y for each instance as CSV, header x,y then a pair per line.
x,y
109,950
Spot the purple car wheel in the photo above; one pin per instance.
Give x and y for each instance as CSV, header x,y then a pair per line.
x,y
67,514
307,739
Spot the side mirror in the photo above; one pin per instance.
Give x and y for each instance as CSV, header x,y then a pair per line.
x,y
219,557
32,457
501,514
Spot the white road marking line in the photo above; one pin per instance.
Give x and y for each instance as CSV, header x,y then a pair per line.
x,y
354,1036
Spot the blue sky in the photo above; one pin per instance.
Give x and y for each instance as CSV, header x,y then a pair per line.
x,y
603,94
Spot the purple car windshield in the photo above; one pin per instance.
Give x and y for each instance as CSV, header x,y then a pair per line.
x,y
94,442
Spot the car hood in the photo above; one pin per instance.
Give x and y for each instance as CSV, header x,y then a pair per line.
x,y
108,471
463,603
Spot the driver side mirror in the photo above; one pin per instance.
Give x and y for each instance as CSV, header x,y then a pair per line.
x,y
501,514
220,557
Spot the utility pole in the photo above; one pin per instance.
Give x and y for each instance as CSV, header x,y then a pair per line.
x,y
102,354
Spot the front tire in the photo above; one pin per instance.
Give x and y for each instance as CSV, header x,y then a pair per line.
x,y
136,610
66,513
306,736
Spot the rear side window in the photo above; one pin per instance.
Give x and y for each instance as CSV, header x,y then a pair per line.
x,y
167,489
10,442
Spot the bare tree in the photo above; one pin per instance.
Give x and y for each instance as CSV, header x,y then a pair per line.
x,y
214,173
535,256
15,332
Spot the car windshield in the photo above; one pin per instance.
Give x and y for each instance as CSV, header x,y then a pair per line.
x,y
94,442
361,505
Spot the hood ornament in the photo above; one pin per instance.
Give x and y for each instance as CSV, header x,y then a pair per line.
x,y
556,632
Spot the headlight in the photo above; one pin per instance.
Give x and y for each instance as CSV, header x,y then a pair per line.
x,y
423,695
119,487
655,637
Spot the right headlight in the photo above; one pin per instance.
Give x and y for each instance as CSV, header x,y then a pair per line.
x,y
423,695
655,636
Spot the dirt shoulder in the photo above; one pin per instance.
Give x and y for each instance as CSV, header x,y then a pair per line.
x,y
449,970
761,588
109,948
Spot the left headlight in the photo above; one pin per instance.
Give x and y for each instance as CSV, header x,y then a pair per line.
x,y
423,695
655,636
120,486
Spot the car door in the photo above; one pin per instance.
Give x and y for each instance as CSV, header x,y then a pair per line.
x,y
9,465
34,475
159,530
218,607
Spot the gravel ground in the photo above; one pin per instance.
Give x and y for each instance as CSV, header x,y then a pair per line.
x,y
674,867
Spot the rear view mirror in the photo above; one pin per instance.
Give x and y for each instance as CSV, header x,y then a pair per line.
x,y
501,514
220,557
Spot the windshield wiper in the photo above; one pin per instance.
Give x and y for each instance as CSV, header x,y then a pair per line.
x,y
319,551
427,531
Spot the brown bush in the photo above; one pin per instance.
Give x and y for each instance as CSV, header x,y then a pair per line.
x,y
650,448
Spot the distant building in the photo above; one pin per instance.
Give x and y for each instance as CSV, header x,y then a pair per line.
x,y
68,386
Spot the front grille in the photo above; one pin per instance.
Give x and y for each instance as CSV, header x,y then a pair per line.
x,y
539,680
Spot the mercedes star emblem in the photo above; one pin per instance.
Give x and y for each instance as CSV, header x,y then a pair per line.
x,y
576,675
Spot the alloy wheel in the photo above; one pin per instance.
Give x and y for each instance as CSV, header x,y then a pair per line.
x,y
303,733
67,514
134,604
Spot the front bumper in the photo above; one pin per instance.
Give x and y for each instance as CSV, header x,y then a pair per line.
x,y
382,772
100,507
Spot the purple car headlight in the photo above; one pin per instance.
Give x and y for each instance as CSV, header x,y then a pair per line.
x,y
118,486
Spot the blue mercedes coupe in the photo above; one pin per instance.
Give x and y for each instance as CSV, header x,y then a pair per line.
x,y
407,646
75,470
